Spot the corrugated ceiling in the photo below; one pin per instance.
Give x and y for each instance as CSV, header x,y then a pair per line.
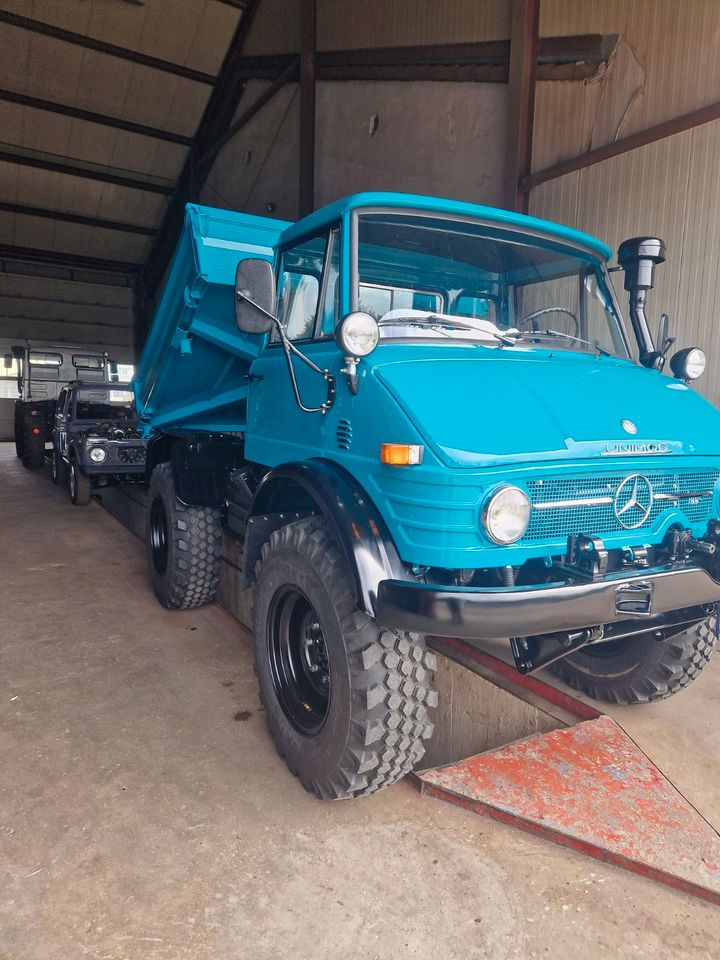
x,y
194,35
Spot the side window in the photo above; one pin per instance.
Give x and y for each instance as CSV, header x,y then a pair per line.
x,y
299,287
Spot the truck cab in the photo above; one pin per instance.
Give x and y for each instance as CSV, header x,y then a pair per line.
x,y
42,370
427,417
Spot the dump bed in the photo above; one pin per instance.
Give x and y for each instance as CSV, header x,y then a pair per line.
x,y
192,372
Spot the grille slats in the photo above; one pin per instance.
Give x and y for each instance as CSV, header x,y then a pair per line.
x,y
598,517
131,454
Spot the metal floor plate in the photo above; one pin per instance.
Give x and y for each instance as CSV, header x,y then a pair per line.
x,y
590,788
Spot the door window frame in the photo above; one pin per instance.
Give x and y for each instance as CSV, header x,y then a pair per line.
x,y
328,233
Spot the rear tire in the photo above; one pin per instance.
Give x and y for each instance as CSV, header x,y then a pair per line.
x,y
59,472
184,545
80,486
640,669
33,451
348,702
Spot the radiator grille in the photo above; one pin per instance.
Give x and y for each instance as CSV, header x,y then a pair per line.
x,y
598,519
131,454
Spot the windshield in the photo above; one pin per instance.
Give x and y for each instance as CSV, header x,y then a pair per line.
x,y
434,277
110,404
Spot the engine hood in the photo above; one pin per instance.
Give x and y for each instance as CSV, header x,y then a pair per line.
x,y
478,406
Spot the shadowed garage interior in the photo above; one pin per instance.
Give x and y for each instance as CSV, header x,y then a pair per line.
x,y
144,811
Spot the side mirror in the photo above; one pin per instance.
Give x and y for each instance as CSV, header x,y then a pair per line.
x,y
7,361
254,296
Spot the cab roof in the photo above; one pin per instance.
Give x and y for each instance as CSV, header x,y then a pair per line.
x,y
327,216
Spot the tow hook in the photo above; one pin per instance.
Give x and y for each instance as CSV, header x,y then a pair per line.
x,y
680,544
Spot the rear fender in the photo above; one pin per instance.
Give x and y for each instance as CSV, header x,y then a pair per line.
x,y
318,487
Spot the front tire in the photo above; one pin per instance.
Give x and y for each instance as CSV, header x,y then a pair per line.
x,y
348,703
184,545
80,487
640,669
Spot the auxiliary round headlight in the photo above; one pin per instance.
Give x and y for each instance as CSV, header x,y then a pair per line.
x,y
357,334
507,514
688,364
98,455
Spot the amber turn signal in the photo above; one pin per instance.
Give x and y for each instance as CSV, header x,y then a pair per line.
x,y
401,454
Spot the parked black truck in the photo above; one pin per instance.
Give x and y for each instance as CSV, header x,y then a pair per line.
x,y
95,439
42,370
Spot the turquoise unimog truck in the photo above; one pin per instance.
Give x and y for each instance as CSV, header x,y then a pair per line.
x,y
426,417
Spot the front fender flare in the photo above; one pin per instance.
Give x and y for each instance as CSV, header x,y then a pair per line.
x,y
324,488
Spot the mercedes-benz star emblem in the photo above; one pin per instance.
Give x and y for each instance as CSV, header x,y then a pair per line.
x,y
633,501
628,426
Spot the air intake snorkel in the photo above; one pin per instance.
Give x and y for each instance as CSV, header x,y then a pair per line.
x,y
638,257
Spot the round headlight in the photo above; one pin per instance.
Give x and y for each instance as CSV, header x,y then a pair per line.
x,y
357,334
507,514
688,364
98,455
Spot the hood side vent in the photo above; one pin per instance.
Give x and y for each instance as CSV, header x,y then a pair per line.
x,y
343,434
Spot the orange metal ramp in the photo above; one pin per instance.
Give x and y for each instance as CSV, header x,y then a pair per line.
x,y
590,788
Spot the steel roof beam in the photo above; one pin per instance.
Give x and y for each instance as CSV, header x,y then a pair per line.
x,y
87,173
216,121
557,58
24,210
101,46
58,258
89,116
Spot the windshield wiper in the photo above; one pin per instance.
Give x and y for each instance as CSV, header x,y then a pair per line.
x,y
434,320
566,336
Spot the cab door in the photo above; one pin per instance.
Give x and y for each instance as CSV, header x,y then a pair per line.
x,y
279,430
60,425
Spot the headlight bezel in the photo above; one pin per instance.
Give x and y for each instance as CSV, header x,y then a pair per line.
x,y
344,332
682,362
490,507
96,449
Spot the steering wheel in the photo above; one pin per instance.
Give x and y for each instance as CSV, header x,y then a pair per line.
x,y
533,317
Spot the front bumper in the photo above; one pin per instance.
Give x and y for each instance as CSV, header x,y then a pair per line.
x,y
484,613
105,469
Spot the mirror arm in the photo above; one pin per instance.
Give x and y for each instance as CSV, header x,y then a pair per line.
x,y
289,348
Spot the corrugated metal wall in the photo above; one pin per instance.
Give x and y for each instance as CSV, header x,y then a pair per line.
x,y
347,25
666,65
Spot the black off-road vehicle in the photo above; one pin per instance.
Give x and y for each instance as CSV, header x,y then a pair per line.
x,y
95,438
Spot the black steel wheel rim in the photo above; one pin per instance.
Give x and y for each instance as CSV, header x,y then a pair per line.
x,y
298,660
158,535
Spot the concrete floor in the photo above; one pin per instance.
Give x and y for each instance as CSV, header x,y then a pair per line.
x,y
144,813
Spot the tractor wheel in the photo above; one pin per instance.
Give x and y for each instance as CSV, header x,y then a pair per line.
x,y
640,669
348,703
184,545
